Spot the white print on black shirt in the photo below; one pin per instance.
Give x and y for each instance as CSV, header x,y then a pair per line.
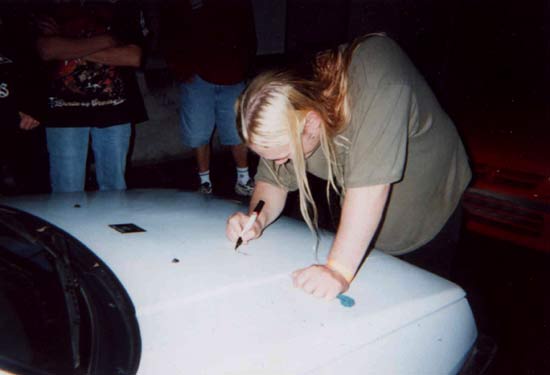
x,y
82,83
4,91
5,60
57,103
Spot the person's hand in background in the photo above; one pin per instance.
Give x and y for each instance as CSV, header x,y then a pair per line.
x,y
27,122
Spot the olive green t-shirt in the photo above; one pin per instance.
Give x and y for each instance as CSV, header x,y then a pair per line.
x,y
398,135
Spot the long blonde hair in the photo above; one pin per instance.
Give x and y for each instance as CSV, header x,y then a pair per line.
x,y
272,112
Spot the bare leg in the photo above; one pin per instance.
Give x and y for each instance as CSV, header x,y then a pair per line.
x,y
202,154
240,153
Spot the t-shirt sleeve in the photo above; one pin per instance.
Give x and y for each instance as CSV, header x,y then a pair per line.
x,y
278,175
379,146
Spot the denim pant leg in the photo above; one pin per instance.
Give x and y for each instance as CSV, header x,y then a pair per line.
x,y
197,112
67,149
110,146
226,124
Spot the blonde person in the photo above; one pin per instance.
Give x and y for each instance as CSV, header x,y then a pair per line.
x,y
367,122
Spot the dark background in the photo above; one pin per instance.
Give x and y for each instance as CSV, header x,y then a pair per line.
x,y
485,59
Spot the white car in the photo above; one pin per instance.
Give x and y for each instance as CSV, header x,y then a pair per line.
x,y
146,282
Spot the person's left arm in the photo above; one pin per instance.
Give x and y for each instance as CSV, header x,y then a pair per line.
x,y
362,211
376,161
126,55
128,31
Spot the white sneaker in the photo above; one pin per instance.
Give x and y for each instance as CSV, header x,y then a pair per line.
x,y
205,188
245,189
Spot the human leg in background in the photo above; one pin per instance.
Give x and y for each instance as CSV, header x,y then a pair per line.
x,y
7,152
202,154
110,146
244,184
67,150
197,124
23,161
31,161
226,96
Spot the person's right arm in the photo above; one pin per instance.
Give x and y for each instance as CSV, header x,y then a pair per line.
x,y
127,55
62,48
274,198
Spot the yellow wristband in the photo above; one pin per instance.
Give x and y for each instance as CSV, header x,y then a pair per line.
x,y
341,269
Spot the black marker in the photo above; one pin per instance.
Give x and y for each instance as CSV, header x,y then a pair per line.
x,y
250,222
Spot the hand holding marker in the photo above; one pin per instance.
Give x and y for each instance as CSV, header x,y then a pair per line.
x,y
250,222
345,301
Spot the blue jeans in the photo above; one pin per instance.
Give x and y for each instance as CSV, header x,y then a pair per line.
x,y
205,105
68,151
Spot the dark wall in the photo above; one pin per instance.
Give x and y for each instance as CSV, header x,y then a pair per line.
x,y
484,53
420,27
313,25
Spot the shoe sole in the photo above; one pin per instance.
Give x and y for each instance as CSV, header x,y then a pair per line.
x,y
243,192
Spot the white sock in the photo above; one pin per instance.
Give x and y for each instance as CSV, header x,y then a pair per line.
x,y
205,177
242,175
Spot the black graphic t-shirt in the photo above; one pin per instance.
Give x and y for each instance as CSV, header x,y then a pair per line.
x,y
20,88
85,93
8,105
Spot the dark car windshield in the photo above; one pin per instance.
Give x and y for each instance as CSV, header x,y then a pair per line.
x,y
34,321
62,310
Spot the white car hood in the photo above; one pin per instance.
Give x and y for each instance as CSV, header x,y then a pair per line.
x,y
205,309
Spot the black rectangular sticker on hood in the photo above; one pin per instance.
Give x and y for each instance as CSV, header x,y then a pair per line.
x,y
127,228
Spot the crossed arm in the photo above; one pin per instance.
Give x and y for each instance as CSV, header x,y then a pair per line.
x,y
101,49
127,55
